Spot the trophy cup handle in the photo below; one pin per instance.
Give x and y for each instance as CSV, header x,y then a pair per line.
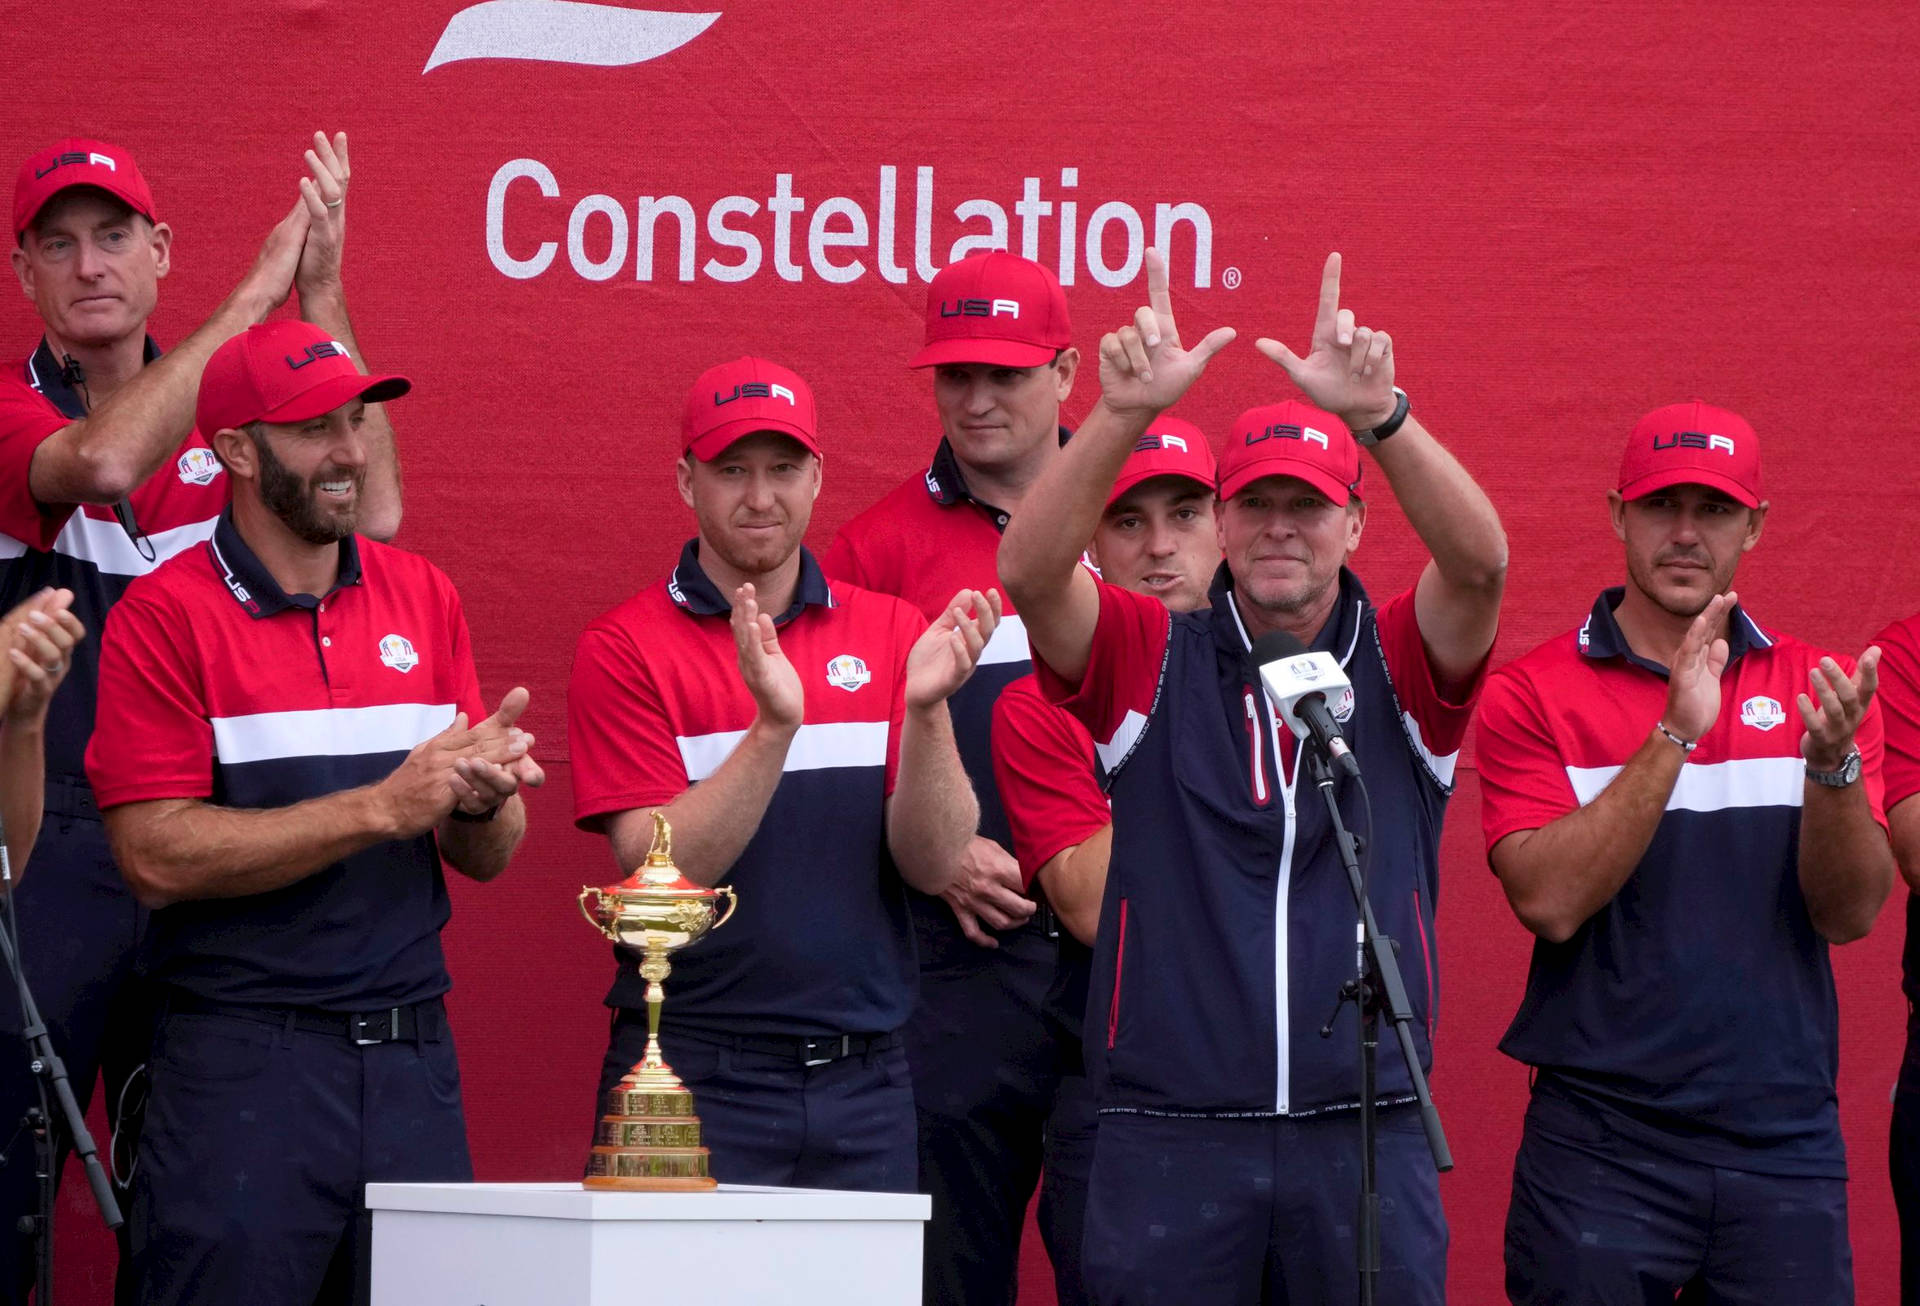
x,y
733,900
599,900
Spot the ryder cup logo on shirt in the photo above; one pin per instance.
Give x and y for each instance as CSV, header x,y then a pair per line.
x,y
847,672
1762,713
198,467
397,652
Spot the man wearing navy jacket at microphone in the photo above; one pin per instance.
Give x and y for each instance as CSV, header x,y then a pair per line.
x,y
1226,1167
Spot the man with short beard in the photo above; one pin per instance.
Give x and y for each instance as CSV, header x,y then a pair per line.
x,y
103,478
794,733
1685,809
283,760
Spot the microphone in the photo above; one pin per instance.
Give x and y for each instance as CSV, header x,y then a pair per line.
x,y
1299,684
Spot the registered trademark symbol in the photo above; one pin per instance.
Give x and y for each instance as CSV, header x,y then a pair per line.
x,y
1230,278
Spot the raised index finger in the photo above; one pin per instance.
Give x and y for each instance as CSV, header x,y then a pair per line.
x,y
1329,311
1158,297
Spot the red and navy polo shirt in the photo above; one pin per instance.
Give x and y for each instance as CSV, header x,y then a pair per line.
x,y
1696,1009
85,548
1228,923
217,685
1043,761
1899,700
819,943
1050,782
924,542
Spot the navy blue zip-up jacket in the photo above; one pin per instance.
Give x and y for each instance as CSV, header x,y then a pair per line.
x,y
1228,924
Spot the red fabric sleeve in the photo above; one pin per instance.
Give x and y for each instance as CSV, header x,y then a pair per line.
x,y
26,421
1123,666
623,746
1043,764
151,734
1523,776
1899,702
1442,720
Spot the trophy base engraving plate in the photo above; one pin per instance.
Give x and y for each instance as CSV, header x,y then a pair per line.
x,y
649,1169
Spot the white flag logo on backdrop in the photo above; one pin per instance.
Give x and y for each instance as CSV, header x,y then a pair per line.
x,y
564,31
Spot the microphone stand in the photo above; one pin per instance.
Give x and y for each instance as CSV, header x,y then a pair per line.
x,y
50,1074
1376,984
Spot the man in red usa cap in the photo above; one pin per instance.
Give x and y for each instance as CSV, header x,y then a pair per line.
x,y
1227,1159
999,347
794,733
1156,537
103,477
290,745
1685,808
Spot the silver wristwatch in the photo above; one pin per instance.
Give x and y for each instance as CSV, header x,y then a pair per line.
x,y
1840,777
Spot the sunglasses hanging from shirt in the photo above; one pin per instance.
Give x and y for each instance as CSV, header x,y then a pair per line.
x,y
75,378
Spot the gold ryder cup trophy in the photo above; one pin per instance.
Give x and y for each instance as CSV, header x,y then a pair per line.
x,y
649,1140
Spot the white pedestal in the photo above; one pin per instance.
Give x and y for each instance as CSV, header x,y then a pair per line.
x,y
561,1245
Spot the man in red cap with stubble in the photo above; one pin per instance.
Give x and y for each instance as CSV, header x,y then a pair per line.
x,y
794,733
1685,808
985,1066
283,759
103,477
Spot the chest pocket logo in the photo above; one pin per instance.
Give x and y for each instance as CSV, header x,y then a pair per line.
x,y
198,466
1343,710
1762,713
397,652
847,672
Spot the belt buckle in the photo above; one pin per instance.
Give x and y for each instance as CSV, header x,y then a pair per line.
x,y
357,1026
811,1044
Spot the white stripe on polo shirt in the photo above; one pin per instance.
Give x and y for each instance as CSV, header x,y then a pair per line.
x,y
1712,786
106,544
814,748
1009,643
327,732
1115,750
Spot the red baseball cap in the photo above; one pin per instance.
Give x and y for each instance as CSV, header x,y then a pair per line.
x,y
1170,447
1291,439
78,162
285,371
742,397
995,307
1692,444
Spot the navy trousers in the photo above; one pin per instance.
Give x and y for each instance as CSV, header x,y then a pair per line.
x,y
1072,1128
985,1067
766,1119
1598,1221
258,1145
79,933
1258,1211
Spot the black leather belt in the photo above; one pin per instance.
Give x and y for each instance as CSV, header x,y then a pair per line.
x,y
389,1025
72,798
821,1050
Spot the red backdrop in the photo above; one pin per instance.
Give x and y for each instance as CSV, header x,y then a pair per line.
x,y
1565,214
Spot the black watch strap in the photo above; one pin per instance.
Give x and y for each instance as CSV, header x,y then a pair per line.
x,y
1376,434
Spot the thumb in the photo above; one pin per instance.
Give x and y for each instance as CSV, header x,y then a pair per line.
x,y
511,706
1216,340
1717,658
1288,360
